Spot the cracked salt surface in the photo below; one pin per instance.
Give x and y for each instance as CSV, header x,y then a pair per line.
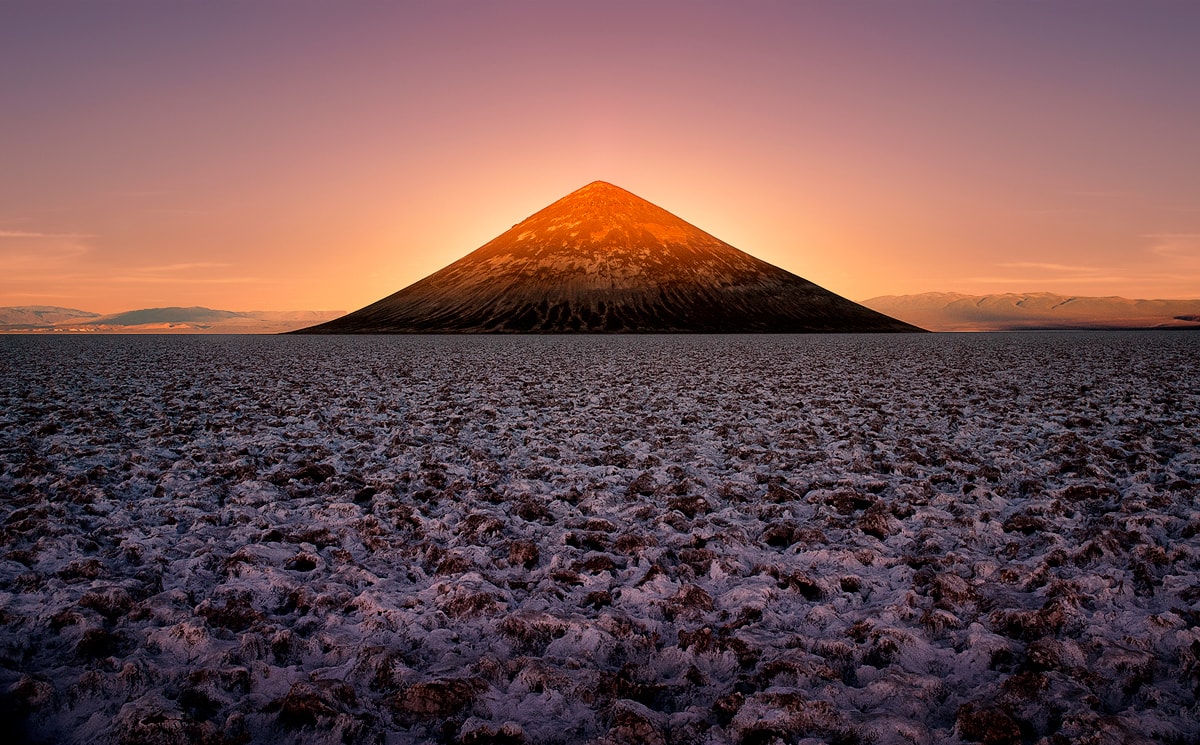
x,y
887,539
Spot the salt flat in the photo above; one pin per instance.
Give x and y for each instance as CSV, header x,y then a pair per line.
x,y
746,539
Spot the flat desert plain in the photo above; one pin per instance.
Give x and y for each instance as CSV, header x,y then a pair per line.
x,y
630,539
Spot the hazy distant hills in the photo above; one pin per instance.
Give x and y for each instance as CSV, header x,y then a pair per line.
x,y
195,320
936,311
40,315
602,260
951,311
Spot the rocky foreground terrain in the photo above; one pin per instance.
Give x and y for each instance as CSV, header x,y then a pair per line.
x,y
836,539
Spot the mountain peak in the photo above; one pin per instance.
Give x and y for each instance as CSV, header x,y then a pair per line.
x,y
599,186
602,259
601,194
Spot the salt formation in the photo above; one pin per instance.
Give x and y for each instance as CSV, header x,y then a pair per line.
x,y
837,539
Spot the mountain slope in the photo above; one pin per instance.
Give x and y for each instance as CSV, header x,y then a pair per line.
x,y
604,260
950,311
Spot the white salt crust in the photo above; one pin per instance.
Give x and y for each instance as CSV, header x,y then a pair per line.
x,y
888,539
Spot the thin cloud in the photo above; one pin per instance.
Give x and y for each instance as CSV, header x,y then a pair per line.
x,y
50,256
153,279
1048,280
176,211
93,278
184,273
185,267
1048,266
34,234
1181,250
1056,211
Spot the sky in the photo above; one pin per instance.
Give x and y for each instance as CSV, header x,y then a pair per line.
x,y
305,154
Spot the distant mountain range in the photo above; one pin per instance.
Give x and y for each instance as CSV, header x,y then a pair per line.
x,y
951,311
195,320
40,315
936,311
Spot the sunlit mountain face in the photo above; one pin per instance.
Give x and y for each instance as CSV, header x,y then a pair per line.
x,y
603,260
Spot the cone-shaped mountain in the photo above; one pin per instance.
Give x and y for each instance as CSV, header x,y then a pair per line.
x,y
602,260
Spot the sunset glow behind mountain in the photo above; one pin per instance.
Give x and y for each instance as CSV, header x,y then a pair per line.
x,y
274,155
